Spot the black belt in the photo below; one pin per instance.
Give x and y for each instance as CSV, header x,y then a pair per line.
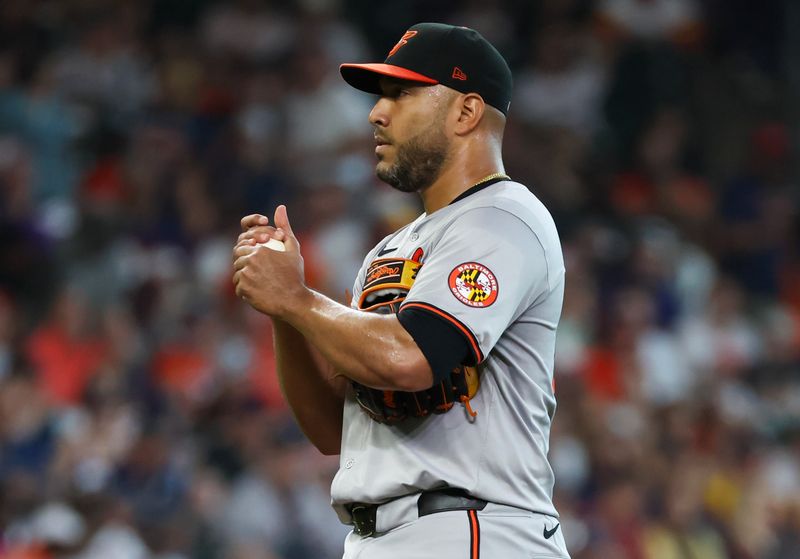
x,y
429,502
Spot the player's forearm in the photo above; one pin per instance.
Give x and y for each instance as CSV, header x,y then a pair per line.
x,y
374,350
314,394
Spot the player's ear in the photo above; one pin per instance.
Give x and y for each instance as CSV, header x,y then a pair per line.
x,y
471,107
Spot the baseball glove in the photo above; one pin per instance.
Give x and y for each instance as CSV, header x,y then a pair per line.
x,y
387,284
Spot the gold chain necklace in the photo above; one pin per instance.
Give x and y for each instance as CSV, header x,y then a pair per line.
x,y
497,175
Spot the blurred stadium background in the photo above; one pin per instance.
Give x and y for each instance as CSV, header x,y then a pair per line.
x,y
139,411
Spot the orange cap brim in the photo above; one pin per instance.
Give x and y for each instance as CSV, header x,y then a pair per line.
x,y
366,77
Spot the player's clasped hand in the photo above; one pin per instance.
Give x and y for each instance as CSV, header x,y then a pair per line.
x,y
270,281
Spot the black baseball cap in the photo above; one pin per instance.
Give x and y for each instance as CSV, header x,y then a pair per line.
x,y
435,53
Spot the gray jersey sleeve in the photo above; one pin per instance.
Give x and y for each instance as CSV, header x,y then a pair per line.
x,y
482,273
358,284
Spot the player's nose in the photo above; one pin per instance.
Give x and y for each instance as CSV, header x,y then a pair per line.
x,y
379,115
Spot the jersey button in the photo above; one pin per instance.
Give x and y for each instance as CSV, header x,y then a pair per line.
x,y
349,464
414,236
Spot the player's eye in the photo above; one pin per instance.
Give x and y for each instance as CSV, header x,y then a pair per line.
x,y
398,92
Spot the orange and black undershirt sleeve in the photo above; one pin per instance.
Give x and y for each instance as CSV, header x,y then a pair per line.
x,y
445,342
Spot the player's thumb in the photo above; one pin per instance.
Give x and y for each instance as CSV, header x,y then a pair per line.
x,y
281,221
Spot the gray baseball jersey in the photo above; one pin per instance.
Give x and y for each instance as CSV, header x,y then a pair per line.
x,y
502,240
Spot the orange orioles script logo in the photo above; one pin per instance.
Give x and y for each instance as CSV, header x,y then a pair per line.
x,y
402,42
473,284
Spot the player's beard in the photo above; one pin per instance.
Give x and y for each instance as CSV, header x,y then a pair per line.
x,y
420,160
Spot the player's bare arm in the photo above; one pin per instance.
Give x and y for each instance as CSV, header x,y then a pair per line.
x,y
312,388
374,350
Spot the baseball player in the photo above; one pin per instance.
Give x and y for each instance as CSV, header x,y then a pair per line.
x,y
436,385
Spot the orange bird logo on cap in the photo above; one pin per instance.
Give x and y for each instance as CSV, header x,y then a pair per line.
x,y
402,42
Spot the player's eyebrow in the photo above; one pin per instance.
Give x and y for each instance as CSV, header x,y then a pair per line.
x,y
390,86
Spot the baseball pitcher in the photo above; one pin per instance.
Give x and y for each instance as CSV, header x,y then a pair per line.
x,y
435,386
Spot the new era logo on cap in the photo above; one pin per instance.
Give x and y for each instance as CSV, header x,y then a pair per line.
x,y
435,53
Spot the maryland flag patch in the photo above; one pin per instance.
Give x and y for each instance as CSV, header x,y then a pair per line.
x,y
473,284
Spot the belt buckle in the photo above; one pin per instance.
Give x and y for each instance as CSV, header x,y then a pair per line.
x,y
363,519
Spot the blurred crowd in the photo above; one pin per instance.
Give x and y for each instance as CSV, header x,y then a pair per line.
x,y
140,416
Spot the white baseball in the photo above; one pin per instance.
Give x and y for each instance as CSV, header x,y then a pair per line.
x,y
274,244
